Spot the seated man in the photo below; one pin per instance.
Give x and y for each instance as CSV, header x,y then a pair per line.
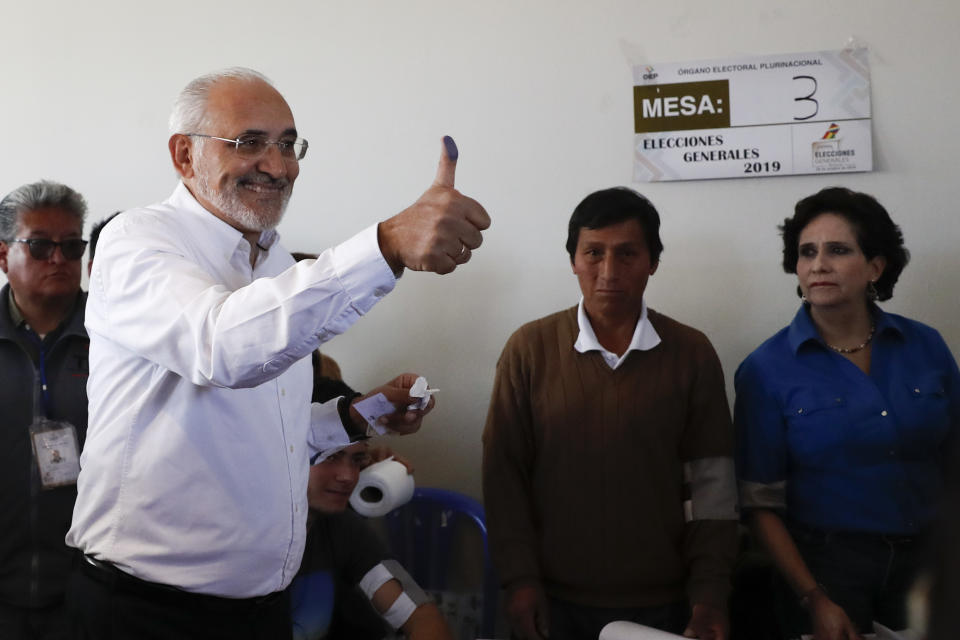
x,y
343,557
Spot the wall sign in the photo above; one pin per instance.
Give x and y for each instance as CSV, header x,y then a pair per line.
x,y
754,116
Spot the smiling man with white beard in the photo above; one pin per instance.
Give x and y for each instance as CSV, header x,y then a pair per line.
x,y
191,514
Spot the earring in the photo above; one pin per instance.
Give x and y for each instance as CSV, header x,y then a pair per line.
x,y
872,294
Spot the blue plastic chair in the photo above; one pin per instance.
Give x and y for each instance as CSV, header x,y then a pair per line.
x,y
425,536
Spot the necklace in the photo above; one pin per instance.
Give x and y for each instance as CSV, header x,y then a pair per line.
x,y
873,327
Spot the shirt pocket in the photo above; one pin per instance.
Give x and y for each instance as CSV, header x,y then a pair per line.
x,y
816,431
926,419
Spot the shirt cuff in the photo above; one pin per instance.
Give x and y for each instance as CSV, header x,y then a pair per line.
x,y
326,429
362,270
763,495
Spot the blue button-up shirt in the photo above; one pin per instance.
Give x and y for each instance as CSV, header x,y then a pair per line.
x,y
839,450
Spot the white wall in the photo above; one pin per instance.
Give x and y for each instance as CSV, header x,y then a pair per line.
x,y
538,96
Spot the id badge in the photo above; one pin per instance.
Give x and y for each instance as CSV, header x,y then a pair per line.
x,y
55,452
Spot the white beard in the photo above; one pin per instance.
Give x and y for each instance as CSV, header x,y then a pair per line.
x,y
229,203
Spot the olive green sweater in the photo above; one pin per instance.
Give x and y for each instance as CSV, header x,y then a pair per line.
x,y
583,468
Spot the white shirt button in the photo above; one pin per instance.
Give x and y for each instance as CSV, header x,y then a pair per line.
x,y
884,413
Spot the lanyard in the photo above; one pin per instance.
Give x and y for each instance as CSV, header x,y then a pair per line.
x,y
44,392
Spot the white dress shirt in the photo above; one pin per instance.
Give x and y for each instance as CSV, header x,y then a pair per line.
x,y
194,472
645,337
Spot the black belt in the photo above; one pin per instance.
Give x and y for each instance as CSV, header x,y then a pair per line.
x,y
108,574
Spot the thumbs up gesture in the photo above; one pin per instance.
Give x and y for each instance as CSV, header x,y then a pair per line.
x,y
439,231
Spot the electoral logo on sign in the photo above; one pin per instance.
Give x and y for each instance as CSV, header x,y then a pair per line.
x,y
829,153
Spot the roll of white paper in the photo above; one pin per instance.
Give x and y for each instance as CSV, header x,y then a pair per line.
x,y
383,486
622,630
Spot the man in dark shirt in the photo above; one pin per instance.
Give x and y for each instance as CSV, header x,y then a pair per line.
x,y
43,398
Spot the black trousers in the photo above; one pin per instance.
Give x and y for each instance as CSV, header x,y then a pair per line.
x,y
44,623
104,603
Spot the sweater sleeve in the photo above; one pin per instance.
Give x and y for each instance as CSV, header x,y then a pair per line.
x,y
508,458
706,451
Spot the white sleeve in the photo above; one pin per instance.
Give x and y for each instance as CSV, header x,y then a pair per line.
x,y
157,295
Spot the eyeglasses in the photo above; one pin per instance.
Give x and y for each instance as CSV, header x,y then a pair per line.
x,y
42,249
255,146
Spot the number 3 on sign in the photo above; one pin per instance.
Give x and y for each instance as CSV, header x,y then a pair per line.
x,y
808,98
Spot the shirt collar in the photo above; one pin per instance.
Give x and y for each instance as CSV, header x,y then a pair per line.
x,y
15,316
72,325
645,337
802,330
219,233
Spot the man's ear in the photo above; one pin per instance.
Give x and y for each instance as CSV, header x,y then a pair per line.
x,y
4,248
653,267
181,153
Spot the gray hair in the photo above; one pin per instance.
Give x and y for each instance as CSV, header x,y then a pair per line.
x,y
190,108
38,195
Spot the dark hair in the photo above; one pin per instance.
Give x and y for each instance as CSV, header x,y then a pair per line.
x,y
612,206
38,195
95,232
876,233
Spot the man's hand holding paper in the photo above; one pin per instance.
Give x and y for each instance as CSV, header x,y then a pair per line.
x,y
387,408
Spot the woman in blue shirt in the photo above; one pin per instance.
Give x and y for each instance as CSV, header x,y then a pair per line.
x,y
842,420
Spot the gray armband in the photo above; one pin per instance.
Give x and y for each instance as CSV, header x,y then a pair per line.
x,y
409,599
410,586
713,489
763,495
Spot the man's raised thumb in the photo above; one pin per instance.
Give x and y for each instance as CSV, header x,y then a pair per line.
x,y
447,168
